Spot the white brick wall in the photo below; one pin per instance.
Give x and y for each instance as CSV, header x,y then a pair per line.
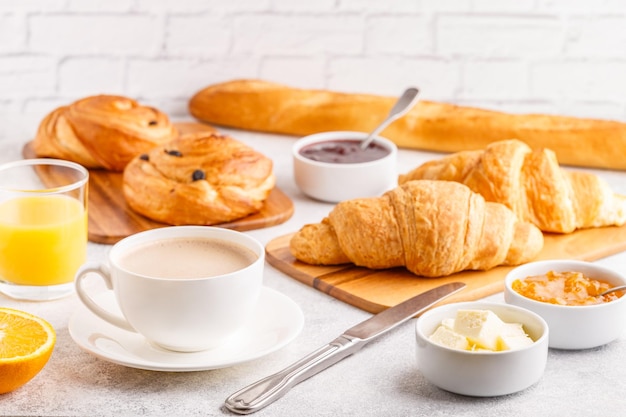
x,y
554,56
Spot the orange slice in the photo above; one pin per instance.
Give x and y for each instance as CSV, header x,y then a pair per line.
x,y
26,343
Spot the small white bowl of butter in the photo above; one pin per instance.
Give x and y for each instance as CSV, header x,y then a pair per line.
x,y
481,349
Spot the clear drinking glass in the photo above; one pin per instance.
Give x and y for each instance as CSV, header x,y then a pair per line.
x,y
43,227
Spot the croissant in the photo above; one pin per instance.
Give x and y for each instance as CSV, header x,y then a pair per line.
x,y
102,131
199,178
532,184
433,228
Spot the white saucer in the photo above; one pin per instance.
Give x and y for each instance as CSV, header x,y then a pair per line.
x,y
277,321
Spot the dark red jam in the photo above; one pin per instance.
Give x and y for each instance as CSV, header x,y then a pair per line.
x,y
344,151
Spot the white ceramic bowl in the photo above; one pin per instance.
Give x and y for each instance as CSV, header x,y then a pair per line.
x,y
480,373
334,182
573,327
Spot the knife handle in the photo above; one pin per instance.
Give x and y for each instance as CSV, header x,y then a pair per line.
x,y
267,390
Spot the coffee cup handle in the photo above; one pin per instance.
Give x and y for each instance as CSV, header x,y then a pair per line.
x,y
103,272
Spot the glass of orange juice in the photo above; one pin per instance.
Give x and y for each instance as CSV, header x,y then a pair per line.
x,y
43,227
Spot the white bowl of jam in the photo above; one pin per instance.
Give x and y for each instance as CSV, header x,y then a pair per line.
x,y
332,167
566,294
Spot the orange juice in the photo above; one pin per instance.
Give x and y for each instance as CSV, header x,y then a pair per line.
x,y
43,239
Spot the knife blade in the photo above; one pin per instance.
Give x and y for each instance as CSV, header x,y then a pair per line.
x,y
267,390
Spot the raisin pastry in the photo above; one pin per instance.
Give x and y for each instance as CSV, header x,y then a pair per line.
x,y
200,178
102,131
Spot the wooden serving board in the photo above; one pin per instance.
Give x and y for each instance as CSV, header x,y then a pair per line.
x,y
111,219
374,290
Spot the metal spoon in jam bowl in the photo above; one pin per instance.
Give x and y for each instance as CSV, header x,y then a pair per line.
x,y
610,290
403,105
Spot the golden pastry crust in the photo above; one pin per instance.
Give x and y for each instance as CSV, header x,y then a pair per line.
x,y
200,178
532,184
433,228
102,131
443,127
317,244
56,139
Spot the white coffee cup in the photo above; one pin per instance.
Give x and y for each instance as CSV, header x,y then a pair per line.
x,y
187,310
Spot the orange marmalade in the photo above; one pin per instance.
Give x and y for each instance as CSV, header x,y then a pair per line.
x,y
565,288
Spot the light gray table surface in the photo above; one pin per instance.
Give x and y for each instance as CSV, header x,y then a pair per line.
x,y
382,379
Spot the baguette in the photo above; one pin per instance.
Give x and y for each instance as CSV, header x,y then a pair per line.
x,y
269,107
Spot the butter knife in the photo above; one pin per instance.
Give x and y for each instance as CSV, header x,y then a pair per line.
x,y
267,390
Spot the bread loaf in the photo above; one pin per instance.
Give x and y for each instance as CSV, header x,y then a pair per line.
x,y
270,107
102,131
199,178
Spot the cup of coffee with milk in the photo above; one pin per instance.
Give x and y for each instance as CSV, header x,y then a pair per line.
x,y
184,288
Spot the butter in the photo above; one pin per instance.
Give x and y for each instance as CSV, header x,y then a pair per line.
x,y
449,323
514,337
448,337
479,330
481,327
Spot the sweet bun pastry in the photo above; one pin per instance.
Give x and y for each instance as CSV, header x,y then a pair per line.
x,y
103,131
199,178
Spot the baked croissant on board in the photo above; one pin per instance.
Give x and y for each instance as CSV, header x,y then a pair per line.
x,y
103,131
433,228
199,178
532,184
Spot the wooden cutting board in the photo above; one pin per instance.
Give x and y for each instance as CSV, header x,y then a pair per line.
x,y
375,290
111,219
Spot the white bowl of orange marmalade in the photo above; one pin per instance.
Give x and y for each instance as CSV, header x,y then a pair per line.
x,y
565,293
